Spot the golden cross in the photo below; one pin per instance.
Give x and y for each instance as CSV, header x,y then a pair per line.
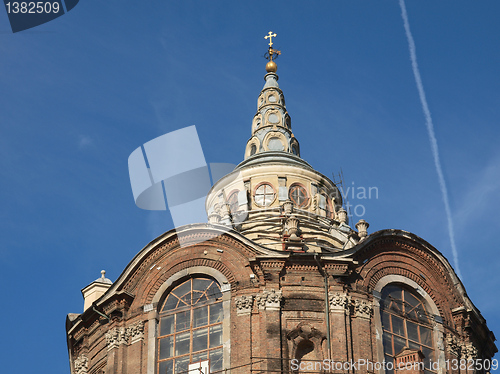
x,y
270,37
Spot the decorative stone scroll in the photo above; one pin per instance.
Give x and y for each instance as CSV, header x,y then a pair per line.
x,y
244,304
125,335
269,299
340,301
362,309
81,365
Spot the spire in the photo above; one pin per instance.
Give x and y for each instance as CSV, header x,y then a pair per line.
x,y
271,125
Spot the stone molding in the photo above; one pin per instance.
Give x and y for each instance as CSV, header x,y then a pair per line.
x,y
340,301
269,299
244,304
362,309
125,335
81,365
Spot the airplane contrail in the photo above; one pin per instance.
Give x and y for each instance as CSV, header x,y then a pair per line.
x,y
432,136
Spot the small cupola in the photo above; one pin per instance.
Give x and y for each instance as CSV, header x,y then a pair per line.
x,y
95,290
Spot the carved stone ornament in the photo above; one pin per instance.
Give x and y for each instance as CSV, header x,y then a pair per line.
x,y
453,345
136,331
469,352
81,365
292,227
342,215
244,304
125,335
269,299
288,207
362,309
340,301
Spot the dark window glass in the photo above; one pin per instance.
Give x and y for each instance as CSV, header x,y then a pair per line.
x,y
406,322
191,326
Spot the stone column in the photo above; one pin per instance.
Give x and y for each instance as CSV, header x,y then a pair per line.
x,y
242,342
339,312
152,327
114,339
134,351
120,355
362,333
269,303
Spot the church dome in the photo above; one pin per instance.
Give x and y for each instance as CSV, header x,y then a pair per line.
x,y
273,196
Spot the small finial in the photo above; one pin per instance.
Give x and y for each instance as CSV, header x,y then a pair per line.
x,y
271,54
103,273
271,67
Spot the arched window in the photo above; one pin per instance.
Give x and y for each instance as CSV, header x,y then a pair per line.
x,y
190,327
232,200
406,322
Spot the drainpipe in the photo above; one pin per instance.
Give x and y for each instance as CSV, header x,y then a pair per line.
x,y
327,306
101,314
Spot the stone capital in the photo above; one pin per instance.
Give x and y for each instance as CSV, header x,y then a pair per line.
x,y
339,302
269,299
244,304
363,309
81,365
125,335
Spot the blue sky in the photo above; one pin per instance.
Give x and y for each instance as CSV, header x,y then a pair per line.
x,y
80,93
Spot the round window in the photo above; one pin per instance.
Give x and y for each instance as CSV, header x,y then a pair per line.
x,y
298,195
264,194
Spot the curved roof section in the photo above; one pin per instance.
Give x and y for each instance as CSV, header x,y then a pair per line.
x,y
213,232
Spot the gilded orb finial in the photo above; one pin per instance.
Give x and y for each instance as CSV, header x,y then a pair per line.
x,y
271,67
